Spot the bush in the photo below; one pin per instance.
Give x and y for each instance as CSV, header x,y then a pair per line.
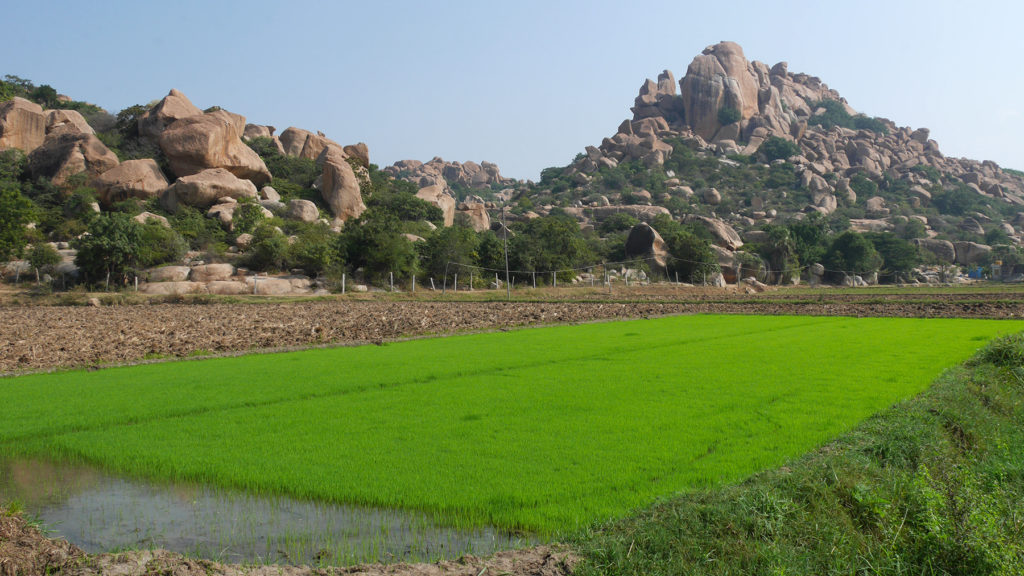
x,y
775,148
851,254
159,245
728,115
15,212
268,250
617,222
43,257
111,247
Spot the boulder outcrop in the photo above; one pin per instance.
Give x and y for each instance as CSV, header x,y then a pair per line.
x,y
212,140
644,242
64,155
435,194
66,122
305,144
141,179
171,108
22,125
339,185
202,190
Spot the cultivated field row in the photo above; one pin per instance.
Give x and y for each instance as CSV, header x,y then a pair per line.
x,y
42,337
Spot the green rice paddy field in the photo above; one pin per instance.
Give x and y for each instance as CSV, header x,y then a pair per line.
x,y
544,430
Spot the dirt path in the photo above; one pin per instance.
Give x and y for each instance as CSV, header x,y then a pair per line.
x,y
43,337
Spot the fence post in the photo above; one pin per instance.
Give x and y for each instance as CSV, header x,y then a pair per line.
x,y
470,281
413,283
554,279
432,288
391,280
342,282
455,287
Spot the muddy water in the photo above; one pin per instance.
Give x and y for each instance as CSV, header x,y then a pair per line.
x,y
103,513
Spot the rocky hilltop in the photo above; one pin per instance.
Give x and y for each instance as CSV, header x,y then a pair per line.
x,y
746,145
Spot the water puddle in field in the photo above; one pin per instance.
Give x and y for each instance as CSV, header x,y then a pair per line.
x,y
103,513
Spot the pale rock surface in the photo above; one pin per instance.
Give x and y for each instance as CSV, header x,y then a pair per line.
x,y
211,272
645,242
66,122
140,179
172,107
436,195
203,189
302,210
22,125
339,184
64,155
212,140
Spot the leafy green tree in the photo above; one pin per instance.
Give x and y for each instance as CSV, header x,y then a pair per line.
x,y
45,95
159,245
727,115
248,214
450,250
268,249
899,257
617,222
200,232
775,148
314,250
15,212
957,200
851,253
692,257
111,247
373,242
43,258
780,253
550,243
810,238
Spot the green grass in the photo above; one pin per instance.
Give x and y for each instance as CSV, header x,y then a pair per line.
x,y
934,485
545,430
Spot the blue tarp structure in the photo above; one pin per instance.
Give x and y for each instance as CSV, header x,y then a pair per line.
x,y
976,273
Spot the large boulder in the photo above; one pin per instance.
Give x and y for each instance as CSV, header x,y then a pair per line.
x,y
303,210
305,144
645,242
202,190
437,196
22,125
719,78
66,122
212,272
65,155
340,186
479,219
360,152
723,234
943,250
212,140
167,274
971,253
173,107
140,179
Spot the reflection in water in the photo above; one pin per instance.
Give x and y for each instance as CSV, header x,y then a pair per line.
x,y
101,513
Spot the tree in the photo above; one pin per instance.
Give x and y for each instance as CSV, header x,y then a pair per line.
x,y
851,253
898,256
549,244
15,213
43,258
775,148
450,250
780,252
111,248
810,237
373,242
692,258
727,115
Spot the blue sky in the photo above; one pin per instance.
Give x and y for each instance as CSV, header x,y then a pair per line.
x,y
526,84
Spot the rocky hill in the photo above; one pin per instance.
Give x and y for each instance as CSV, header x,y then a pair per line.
x,y
750,145
739,167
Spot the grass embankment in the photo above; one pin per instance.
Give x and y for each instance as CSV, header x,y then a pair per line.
x,y
545,430
934,485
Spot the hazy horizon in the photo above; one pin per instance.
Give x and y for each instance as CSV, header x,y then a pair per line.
x,y
524,85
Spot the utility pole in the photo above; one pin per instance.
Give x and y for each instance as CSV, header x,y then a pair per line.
x,y
504,233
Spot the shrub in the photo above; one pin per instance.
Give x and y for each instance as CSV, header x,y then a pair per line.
x,y
728,115
159,245
43,257
775,148
853,254
15,212
111,247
